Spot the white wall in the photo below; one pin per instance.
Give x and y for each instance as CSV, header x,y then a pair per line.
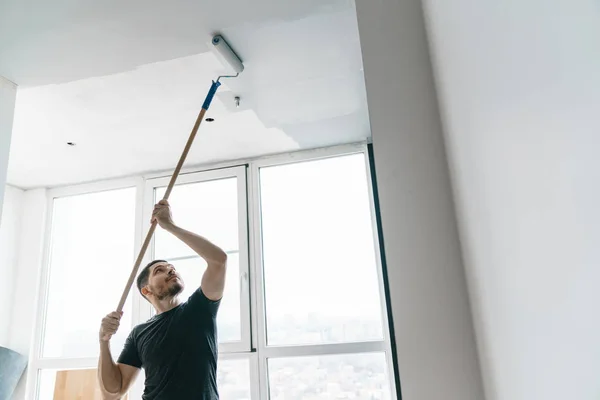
x,y
432,318
26,279
10,229
520,87
8,91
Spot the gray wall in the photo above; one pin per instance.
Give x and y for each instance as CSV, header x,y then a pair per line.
x,y
523,136
8,92
433,326
10,232
25,280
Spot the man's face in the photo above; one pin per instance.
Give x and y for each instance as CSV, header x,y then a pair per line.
x,y
164,281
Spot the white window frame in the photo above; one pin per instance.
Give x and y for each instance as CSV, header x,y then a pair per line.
x,y
36,361
253,345
206,176
259,306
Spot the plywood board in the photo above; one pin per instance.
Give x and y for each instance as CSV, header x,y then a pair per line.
x,y
79,384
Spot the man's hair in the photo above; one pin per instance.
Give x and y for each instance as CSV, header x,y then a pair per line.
x,y
142,279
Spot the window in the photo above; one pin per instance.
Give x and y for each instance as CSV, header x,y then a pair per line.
x,y
90,250
92,245
322,304
233,381
303,315
343,376
214,205
317,233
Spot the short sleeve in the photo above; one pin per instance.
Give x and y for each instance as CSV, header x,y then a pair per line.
x,y
130,354
199,302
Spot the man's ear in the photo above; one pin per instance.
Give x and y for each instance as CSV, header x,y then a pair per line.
x,y
146,291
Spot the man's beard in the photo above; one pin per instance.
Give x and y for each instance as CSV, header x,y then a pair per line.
x,y
172,291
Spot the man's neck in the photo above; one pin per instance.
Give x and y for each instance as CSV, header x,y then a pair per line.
x,y
166,304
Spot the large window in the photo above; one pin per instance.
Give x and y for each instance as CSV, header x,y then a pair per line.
x,y
214,205
92,245
323,329
303,315
320,273
90,250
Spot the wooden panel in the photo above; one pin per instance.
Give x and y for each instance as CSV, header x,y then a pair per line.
x,y
79,384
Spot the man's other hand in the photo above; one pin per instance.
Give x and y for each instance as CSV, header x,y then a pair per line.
x,y
110,325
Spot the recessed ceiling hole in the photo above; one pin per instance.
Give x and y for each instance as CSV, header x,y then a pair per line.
x,y
209,119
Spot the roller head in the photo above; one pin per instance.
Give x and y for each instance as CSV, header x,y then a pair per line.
x,y
227,54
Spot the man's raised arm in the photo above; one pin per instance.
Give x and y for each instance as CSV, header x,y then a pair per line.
x,y
213,280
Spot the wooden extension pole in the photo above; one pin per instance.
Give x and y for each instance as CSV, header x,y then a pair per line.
x,y
186,150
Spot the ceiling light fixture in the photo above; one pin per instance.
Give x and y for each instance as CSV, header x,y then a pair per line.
x,y
71,144
209,119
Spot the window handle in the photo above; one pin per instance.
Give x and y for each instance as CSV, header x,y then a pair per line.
x,y
243,279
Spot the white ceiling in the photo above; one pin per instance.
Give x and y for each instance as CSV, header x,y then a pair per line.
x,y
125,81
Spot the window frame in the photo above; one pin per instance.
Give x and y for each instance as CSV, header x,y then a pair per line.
x,y
253,345
36,360
266,351
239,173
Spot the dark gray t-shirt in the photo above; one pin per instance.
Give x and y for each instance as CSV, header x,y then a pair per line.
x,y
178,350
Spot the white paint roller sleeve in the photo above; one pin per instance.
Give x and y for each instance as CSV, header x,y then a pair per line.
x,y
227,54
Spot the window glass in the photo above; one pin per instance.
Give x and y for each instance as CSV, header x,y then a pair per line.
x,y
91,257
208,208
344,376
320,270
233,379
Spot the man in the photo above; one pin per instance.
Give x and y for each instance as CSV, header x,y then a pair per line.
x,y
178,346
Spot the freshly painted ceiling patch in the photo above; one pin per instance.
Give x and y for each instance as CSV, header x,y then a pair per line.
x,y
294,95
149,111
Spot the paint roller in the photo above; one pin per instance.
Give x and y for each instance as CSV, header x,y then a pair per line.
x,y
227,55
230,59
